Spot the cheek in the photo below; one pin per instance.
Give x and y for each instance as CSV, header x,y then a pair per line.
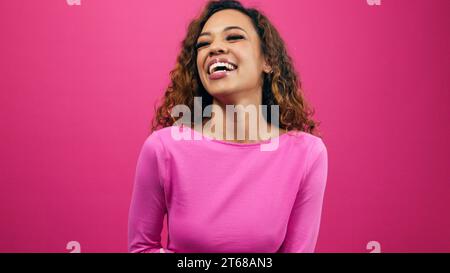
x,y
200,59
251,69
199,67
249,60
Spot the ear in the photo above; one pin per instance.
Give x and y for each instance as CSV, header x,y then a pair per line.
x,y
267,68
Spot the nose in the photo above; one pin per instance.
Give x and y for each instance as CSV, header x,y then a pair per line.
x,y
217,48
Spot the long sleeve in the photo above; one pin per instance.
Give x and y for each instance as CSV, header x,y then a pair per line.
x,y
147,208
304,222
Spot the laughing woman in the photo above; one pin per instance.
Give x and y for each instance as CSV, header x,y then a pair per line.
x,y
227,194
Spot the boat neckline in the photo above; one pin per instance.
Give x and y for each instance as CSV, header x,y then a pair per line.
x,y
238,144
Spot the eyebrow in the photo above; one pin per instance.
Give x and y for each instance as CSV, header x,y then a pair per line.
x,y
225,29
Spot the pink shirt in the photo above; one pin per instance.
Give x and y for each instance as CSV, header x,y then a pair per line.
x,y
224,197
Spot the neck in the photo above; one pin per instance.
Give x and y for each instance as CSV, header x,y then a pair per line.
x,y
242,122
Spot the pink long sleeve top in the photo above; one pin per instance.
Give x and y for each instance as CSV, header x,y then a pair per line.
x,y
227,197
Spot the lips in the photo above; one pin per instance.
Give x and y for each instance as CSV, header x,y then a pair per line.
x,y
220,64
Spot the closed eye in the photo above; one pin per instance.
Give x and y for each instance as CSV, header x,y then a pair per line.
x,y
201,44
235,37
229,38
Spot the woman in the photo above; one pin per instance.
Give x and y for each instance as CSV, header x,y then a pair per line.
x,y
229,195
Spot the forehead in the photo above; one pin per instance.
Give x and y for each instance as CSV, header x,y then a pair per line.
x,y
229,17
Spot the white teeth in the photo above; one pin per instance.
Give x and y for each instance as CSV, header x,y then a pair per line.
x,y
214,65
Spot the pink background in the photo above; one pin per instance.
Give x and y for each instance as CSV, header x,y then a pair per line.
x,y
78,84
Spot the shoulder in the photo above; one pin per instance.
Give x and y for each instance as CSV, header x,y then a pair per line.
x,y
162,138
164,135
313,145
317,145
318,153
161,134
153,142
313,142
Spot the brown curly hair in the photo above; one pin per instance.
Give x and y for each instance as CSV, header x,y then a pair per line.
x,y
281,87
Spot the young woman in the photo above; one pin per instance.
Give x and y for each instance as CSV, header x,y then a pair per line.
x,y
225,194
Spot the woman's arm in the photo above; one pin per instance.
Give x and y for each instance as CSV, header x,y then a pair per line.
x,y
147,208
304,221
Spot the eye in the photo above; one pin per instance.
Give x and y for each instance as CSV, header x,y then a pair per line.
x,y
201,44
235,37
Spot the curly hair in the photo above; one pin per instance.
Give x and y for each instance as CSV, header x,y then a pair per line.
x,y
282,87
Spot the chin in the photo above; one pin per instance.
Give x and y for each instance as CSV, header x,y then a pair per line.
x,y
222,91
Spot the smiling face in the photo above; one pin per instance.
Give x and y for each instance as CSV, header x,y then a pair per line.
x,y
229,57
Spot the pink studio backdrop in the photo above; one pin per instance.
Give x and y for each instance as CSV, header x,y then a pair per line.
x,y
78,84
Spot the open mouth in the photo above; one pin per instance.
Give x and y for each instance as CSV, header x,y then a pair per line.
x,y
217,67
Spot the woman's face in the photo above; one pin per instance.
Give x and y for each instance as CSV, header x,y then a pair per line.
x,y
229,57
